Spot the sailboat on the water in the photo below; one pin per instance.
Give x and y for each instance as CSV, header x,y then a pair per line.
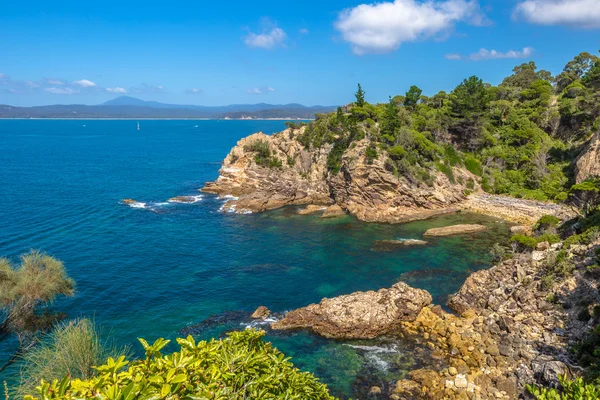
x,y
138,126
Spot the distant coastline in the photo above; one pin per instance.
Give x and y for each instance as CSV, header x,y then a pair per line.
x,y
156,119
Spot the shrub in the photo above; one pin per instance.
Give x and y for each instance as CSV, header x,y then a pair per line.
x,y
446,170
571,390
470,184
547,221
497,252
26,289
524,242
263,154
371,154
72,349
241,366
473,165
548,237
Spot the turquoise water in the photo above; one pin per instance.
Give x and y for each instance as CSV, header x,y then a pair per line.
x,y
151,272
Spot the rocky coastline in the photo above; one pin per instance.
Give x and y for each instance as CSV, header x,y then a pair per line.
x,y
363,188
510,327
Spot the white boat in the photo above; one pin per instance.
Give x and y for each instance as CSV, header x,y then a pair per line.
x,y
138,126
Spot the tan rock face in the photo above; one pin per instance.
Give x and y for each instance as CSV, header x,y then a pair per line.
x,y
455,230
521,211
367,191
333,211
360,315
588,163
261,312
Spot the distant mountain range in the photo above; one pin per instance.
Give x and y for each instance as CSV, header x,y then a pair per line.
x,y
130,107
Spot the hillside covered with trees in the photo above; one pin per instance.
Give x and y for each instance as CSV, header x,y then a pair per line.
x,y
519,137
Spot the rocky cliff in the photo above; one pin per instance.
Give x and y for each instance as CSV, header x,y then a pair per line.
x,y
292,175
588,163
366,190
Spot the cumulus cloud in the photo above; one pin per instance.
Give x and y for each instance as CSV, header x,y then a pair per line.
x,y
194,91
304,31
85,83
266,40
485,54
117,89
383,27
260,90
60,90
577,13
54,82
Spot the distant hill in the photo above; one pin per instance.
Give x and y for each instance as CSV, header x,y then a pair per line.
x,y
131,107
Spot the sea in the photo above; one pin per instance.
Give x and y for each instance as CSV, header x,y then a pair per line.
x,y
160,269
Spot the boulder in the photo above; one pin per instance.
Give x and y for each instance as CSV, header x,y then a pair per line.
x,y
389,245
130,201
521,230
455,230
184,199
360,315
261,312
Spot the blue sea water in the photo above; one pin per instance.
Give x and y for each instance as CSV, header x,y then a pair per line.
x,y
151,272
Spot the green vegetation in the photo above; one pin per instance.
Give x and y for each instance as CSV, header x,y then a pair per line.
x,y
72,349
25,291
571,390
523,242
263,155
241,366
519,138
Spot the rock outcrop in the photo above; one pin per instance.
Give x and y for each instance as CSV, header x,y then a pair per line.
x,y
364,189
512,326
367,191
588,163
360,315
455,230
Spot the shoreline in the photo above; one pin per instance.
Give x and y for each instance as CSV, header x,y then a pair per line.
x,y
158,119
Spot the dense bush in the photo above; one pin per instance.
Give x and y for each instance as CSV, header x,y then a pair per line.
x,y
570,390
523,242
263,155
241,366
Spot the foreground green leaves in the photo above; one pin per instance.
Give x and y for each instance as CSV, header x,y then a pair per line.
x,y
241,366
571,390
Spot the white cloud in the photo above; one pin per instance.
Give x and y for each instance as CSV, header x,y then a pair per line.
x,y
577,13
54,82
383,27
148,88
261,90
61,90
117,89
485,54
304,31
194,91
1,75
85,83
266,40
453,56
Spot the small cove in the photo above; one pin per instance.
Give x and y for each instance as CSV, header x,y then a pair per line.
x,y
151,272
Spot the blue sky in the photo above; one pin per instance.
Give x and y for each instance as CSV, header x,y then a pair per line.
x,y
311,52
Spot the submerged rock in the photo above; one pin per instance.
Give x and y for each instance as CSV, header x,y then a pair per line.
x,y
333,211
455,230
361,315
184,199
311,209
130,201
261,313
390,245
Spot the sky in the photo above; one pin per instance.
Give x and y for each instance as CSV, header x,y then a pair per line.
x,y
309,52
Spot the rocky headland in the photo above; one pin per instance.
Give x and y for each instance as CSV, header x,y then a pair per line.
x,y
511,325
290,174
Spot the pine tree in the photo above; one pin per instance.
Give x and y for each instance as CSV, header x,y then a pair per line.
x,y
412,97
360,96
